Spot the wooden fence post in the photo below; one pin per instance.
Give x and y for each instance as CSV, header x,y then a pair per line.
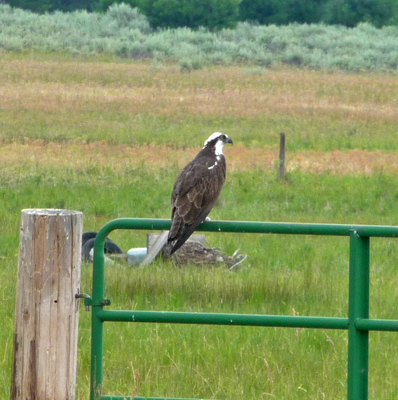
x,y
282,155
47,313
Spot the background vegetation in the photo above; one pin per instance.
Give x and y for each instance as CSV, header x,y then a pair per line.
x,y
226,13
108,136
125,32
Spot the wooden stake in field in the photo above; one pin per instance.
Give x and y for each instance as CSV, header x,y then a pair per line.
x,y
282,155
47,313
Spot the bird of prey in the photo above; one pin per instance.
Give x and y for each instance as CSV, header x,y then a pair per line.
x,y
196,190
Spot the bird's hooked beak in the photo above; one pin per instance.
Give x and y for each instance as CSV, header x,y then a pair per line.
x,y
229,140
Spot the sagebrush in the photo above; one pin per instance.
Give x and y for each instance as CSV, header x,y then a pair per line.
x,y
125,32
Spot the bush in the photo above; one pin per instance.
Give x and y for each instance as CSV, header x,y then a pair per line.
x,y
218,14
194,13
185,13
123,16
281,12
126,32
39,6
343,12
351,12
42,6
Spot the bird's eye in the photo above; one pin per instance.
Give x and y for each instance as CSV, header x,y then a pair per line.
x,y
223,137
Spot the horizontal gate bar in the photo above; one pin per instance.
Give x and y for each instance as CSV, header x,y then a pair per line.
x,y
376,325
110,397
223,319
256,227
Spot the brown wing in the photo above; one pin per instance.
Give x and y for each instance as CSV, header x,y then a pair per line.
x,y
195,192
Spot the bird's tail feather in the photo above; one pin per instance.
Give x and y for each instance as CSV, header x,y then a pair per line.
x,y
156,248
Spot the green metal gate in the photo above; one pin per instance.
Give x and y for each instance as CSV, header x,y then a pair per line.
x,y
357,323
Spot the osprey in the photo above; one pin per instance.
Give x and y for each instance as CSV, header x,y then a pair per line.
x,y
196,190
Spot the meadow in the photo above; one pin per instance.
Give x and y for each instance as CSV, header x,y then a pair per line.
x,y
107,137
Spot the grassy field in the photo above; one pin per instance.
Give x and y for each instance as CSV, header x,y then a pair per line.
x,y
108,138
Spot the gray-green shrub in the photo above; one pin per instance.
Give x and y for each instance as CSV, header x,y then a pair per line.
x,y
125,32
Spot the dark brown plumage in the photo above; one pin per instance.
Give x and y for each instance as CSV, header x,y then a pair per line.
x,y
196,190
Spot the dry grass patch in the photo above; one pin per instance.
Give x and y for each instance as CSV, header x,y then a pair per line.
x,y
39,154
233,91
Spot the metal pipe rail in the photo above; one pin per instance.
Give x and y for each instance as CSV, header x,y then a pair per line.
x,y
358,323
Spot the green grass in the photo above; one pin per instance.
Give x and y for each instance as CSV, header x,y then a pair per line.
x,y
303,133
282,275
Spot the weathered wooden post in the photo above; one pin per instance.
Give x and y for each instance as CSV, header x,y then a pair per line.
x,y
282,155
47,313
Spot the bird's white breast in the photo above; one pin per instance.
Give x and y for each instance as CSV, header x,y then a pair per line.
x,y
218,148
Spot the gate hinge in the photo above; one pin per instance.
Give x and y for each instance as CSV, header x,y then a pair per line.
x,y
88,301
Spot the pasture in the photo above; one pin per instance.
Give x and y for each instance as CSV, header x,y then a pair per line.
x,y
107,137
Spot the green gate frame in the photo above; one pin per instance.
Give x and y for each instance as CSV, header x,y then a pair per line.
x,y
358,322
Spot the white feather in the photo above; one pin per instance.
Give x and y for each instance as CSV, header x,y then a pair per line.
x,y
213,136
219,144
213,165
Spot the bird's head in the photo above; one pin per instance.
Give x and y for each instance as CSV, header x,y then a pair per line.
x,y
218,140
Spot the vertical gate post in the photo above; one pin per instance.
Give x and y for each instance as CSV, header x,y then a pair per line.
x,y
47,313
97,325
358,341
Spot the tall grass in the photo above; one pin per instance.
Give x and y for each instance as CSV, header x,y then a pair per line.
x,y
124,32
